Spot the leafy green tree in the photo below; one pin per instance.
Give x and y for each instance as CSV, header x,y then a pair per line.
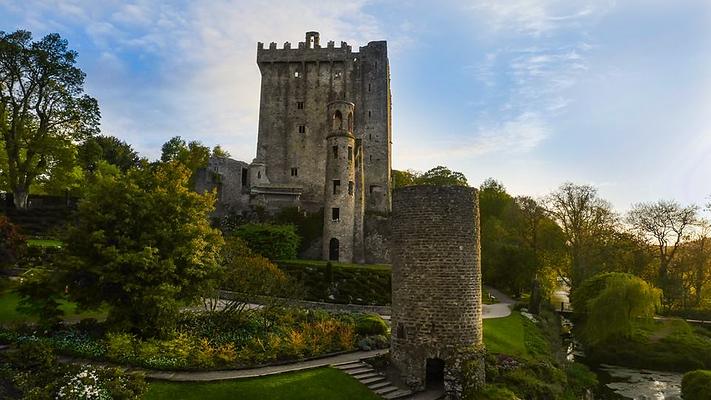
x,y
587,221
110,149
193,155
665,224
403,178
218,151
437,176
142,244
43,108
442,176
275,242
624,300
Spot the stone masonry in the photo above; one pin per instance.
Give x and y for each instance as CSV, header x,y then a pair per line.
x,y
436,286
295,133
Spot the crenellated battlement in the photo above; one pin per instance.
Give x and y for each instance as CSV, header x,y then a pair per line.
x,y
309,50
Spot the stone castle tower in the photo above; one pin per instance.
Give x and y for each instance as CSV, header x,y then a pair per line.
x,y
302,90
436,286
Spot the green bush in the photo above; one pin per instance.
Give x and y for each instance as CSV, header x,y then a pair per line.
x,y
696,385
371,324
309,226
275,242
120,346
341,283
493,392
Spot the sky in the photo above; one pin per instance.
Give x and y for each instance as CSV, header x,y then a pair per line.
x,y
534,93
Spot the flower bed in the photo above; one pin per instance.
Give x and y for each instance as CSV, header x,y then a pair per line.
x,y
216,341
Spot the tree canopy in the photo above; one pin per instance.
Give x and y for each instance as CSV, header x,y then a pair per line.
x,y
437,176
43,108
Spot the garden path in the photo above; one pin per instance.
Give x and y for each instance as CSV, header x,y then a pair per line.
x,y
499,310
206,376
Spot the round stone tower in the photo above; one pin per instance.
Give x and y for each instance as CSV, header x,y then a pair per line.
x,y
339,196
436,287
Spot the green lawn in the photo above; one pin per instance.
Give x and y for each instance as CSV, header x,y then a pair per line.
x,y
9,313
322,383
44,242
505,335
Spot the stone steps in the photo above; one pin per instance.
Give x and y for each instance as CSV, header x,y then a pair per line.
x,y
374,380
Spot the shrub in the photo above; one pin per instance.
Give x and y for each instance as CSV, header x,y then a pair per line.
x,y
695,385
371,324
275,242
341,283
120,346
12,243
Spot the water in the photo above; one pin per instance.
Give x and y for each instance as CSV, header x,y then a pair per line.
x,y
641,384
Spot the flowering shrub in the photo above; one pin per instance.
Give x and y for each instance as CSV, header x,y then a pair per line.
x,y
84,385
267,336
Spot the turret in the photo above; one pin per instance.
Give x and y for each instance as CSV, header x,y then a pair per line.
x,y
340,188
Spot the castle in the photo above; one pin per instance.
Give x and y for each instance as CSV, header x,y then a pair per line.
x,y
324,142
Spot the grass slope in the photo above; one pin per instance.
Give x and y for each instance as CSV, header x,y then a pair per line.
x,y
322,383
8,310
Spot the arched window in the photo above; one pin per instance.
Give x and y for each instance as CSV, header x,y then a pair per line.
x,y
350,122
333,247
337,120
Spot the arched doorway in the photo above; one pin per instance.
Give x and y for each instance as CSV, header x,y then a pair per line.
x,y
435,373
333,247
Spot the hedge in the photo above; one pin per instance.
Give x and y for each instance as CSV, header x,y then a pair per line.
x,y
696,385
341,283
271,241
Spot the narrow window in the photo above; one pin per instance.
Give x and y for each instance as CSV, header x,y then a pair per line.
x,y
297,74
336,186
294,172
335,151
369,87
300,105
350,153
302,128
335,214
371,157
259,174
350,122
370,136
350,188
401,333
337,120
245,172
369,114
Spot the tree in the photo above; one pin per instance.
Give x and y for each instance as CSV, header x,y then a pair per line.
x,y
141,243
442,176
586,220
218,151
437,176
43,108
624,299
693,264
110,149
666,224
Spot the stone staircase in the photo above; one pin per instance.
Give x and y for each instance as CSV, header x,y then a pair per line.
x,y
374,380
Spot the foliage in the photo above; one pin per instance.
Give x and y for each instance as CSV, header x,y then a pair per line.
x,y
625,299
42,108
309,226
124,252
666,224
35,373
322,383
275,242
587,222
371,324
695,385
110,149
670,345
251,278
520,244
345,283
12,243
40,295
437,176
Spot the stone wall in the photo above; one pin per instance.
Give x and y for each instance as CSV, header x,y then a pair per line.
x,y
436,286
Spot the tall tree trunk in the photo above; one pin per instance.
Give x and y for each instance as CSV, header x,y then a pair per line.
x,y
20,198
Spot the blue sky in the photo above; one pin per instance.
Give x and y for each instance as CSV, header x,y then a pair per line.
x,y
531,92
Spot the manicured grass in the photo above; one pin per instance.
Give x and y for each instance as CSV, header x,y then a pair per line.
x,y
505,335
8,310
516,336
322,263
44,242
322,383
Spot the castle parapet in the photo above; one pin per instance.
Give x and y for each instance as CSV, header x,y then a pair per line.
x,y
308,51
